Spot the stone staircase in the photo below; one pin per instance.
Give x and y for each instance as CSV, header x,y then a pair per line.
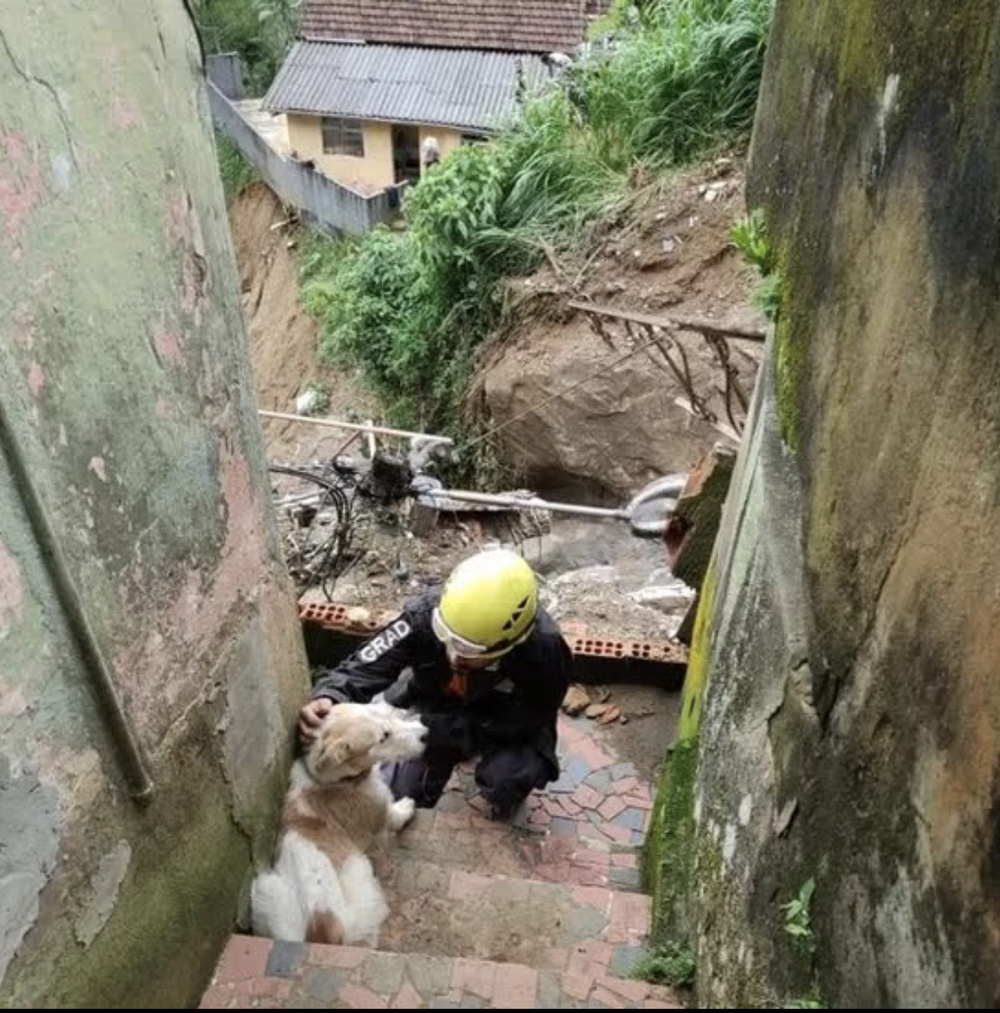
x,y
544,913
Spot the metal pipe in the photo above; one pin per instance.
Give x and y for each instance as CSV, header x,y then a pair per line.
x,y
134,765
300,500
354,426
526,503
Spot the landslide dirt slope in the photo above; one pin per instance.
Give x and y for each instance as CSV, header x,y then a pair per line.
x,y
670,255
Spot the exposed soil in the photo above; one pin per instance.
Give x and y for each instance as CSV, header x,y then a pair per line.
x,y
283,336
670,255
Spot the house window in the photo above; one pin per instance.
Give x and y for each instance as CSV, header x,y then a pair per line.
x,y
470,139
343,137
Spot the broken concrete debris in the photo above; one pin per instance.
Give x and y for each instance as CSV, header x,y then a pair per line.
x,y
691,533
577,701
595,704
692,530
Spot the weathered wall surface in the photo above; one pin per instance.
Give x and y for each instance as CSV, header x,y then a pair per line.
x,y
124,372
851,722
718,858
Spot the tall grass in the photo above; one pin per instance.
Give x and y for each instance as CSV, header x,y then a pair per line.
x,y
684,84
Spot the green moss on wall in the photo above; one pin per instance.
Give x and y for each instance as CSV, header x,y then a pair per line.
x,y
791,347
669,855
877,162
187,902
175,907
698,661
669,859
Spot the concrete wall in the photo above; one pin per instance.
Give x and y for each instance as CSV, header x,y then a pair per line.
x,y
724,852
376,168
124,373
225,71
850,729
331,205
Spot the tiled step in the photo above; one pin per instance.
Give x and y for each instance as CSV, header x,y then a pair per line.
x,y
586,829
452,913
577,853
258,974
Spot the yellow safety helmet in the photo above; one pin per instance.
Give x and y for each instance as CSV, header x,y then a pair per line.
x,y
488,606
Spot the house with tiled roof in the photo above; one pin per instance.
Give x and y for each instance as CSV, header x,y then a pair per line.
x,y
372,87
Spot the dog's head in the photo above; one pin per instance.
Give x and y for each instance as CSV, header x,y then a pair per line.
x,y
354,738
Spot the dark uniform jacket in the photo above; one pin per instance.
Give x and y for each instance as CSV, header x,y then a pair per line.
x,y
516,700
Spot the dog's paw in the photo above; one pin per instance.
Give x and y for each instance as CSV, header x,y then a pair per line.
x,y
401,813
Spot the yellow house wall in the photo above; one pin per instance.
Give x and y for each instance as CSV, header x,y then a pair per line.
x,y
447,140
305,137
373,171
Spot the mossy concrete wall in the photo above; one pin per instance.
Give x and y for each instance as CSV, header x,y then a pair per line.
x,y
124,369
850,727
718,855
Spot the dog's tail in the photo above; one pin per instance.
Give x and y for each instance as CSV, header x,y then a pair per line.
x,y
325,927
278,914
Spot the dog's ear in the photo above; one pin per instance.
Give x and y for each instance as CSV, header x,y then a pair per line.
x,y
338,751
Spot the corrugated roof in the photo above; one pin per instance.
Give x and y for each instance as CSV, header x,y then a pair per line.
x,y
467,89
527,26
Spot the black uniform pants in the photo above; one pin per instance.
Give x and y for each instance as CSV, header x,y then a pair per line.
x,y
505,775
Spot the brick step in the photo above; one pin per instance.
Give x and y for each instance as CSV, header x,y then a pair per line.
x,y
577,852
452,913
586,829
260,974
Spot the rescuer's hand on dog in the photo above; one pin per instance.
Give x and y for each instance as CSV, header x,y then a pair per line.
x,y
311,717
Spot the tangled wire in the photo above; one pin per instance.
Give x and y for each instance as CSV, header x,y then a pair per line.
x,y
326,533
330,516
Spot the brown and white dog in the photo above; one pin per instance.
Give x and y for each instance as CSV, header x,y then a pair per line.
x,y
322,887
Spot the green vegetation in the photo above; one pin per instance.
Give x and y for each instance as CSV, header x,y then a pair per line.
x,y
749,236
798,925
236,172
261,31
412,307
684,81
319,399
676,966
798,917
